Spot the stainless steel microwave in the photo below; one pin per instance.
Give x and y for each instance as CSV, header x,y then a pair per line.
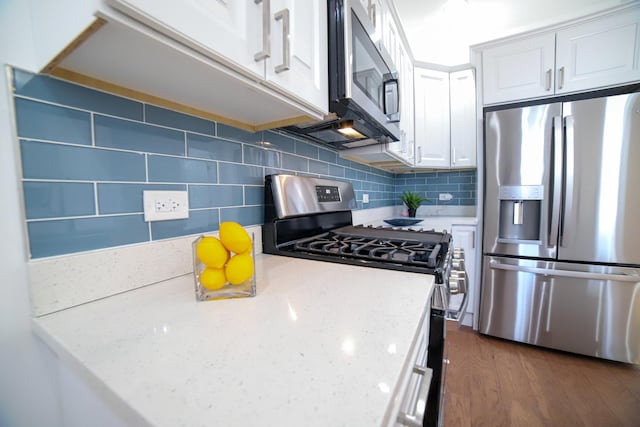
x,y
364,95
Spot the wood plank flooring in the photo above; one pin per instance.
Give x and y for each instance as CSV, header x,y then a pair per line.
x,y
494,382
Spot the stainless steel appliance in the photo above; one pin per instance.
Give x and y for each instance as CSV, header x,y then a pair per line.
x,y
363,84
311,218
561,249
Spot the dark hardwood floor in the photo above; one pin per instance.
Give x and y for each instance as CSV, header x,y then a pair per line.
x,y
495,382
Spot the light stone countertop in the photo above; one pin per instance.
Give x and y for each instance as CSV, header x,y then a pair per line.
x,y
321,344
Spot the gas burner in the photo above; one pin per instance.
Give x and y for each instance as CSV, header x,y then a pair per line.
x,y
399,251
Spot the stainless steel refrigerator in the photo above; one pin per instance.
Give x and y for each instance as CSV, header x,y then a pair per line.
x,y
561,245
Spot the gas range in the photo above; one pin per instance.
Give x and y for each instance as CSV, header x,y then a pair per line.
x,y
307,217
310,218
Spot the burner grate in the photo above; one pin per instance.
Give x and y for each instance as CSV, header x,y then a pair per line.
x,y
402,251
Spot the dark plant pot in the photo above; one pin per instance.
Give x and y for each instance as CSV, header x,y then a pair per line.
x,y
412,212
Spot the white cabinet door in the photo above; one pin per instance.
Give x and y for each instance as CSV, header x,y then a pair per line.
x,y
298,61
462,90
598,53
464,236
229,30
432,118
405,147
519,70
391,38
407,102
375,11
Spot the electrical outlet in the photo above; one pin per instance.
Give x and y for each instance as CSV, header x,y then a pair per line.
x,y
445,196
365,198
164,205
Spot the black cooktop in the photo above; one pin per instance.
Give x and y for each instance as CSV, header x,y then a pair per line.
x,y
421,251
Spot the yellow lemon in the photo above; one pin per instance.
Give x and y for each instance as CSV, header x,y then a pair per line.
x,y
211,252
234,237
212,278
239,269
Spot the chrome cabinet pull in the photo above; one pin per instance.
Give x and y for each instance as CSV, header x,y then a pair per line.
x,y
453,161
419,154
415,417
560,77
284,15
266,31
372,13
548,79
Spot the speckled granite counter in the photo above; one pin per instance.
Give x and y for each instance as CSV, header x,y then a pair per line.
x,y
321,344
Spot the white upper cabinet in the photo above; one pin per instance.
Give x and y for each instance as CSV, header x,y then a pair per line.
x,y
445,119
298,60
462,98
281,41
391,37
375,12
405,148
235,31
432,118
519,70
600,52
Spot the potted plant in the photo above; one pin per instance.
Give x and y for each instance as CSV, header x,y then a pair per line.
x,y
412,200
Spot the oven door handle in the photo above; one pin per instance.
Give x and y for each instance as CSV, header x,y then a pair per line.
x,y
458,315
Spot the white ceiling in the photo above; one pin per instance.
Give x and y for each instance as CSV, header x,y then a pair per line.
x,y
441,31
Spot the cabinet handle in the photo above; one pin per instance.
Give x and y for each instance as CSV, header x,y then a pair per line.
x,y
414,417
266,31
549,79
372,13
560,77
419,154
284,15
453,161
473,239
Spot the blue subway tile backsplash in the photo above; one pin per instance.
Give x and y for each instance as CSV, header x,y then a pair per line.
x,y
41,160
214,196
117,198
199,221
179,169
57,91
87,157
162,116
206,147
135,136
44,121
58,199
48,238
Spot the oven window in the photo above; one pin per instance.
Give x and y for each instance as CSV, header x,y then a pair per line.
x,y
368,66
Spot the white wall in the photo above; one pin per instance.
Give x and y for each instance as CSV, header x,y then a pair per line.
x,y
27,370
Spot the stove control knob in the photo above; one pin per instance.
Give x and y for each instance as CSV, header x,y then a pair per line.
x,y
458,282
458,264
458,253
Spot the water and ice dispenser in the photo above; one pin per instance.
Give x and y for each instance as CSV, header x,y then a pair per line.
x,y
520,212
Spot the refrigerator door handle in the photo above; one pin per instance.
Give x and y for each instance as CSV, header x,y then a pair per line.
x,y
566,273
557,181
568,180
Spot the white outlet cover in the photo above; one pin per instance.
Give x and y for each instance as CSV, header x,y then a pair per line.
x,y
446,196
365,198
165,205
